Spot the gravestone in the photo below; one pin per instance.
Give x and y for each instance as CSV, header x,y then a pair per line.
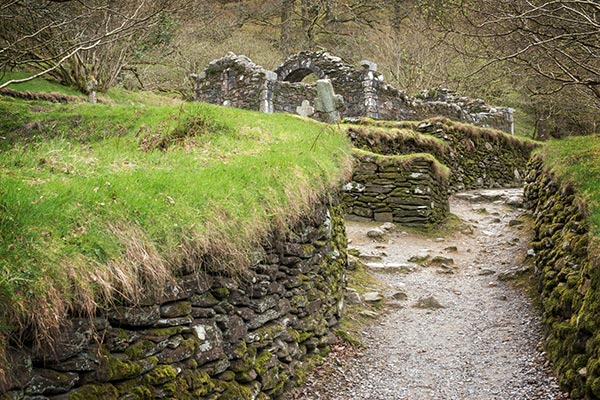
x,y
91,86
327,102
306,110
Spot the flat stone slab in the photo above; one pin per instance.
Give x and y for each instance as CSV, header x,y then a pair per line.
x,y
372,297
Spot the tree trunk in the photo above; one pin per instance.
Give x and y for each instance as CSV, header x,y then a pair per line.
x,y
398,14
287,8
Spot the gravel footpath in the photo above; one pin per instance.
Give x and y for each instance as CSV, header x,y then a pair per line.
x,y
462,333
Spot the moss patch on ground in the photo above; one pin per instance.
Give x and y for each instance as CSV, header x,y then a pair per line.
x,y
352,324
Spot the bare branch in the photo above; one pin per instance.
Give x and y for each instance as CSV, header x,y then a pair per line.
x,y
48,70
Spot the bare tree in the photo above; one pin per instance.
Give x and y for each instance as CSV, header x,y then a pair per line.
x,y
327,18
83,43
558,40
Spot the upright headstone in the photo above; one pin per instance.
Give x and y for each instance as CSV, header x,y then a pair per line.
x,y
369,76
91,86
327,102
266,92
509,115
306,110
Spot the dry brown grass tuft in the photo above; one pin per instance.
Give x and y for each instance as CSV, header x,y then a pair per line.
x,y
138,273
381,137
53,97
388,124
478,133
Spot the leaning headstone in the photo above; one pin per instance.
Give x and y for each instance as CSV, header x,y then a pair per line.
x,y
306,110
327,102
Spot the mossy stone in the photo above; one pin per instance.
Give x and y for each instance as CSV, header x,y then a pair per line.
x,y
160,334
246,376
239,349
227,376
95,392
199,381
160,375
220,293
270,379
140,392
235,391
141,349
134,388
121,370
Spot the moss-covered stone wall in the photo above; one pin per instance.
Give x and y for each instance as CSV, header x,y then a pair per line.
x,y
568,271
246,337
410,190
477,157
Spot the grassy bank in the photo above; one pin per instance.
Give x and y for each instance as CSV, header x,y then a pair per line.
x,y
104,202
577,160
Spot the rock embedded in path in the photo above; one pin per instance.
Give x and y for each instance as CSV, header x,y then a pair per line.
x,y
370,259
467,230
486,271
445,270
353,298
376,234
372,297
513,273
420,259
442,260
388,227
393,269
399,295
515,201
368,314
428,303
451,249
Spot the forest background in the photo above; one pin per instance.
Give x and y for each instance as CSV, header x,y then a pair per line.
x,y
539,57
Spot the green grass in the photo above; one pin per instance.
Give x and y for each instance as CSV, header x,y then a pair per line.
x,y
100,200
114,95
118,95
37,84
577,160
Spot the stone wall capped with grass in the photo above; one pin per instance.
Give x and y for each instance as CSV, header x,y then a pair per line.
x,y
568,271
477,157
411,190
211,336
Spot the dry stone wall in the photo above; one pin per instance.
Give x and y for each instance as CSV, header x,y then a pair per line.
x,y
477,158
237,81
248,337
568,272
410,190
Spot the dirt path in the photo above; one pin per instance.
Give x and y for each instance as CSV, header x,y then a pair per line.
x,y
461,332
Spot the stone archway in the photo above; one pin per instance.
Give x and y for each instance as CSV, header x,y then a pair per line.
x,y
299,74
322,64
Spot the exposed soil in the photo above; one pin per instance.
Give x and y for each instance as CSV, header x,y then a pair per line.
x,y
452,327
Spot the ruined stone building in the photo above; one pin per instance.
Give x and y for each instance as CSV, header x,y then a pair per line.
x,y
235,80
